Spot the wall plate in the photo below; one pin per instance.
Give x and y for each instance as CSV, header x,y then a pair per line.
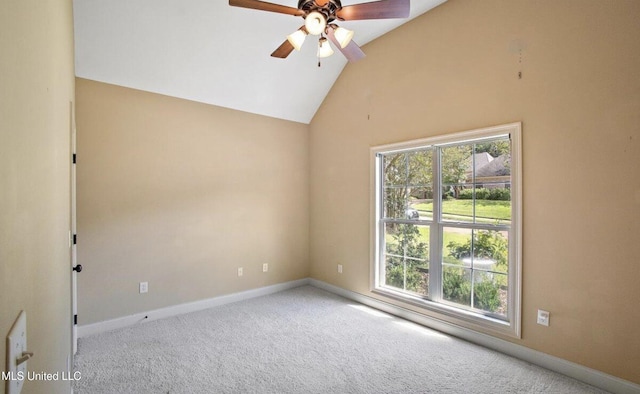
x,y
543,317
16,346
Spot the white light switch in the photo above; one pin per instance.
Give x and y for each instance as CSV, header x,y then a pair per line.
x,y
17,355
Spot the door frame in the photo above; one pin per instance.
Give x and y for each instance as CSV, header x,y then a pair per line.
x,y
73,233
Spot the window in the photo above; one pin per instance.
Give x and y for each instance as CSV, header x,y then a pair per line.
x,y
447,225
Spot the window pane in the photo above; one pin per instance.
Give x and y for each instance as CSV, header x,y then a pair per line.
x,y
456,246
394,167
456,285
490,250
490,292
492,160
407,257
482,254
457,209
420,169
492,179
415,240
396,203
456,166
407,275
420,180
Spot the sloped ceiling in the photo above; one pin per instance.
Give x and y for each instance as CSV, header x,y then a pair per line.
x,y
210,52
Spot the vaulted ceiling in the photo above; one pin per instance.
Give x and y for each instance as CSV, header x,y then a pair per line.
x,y
210,52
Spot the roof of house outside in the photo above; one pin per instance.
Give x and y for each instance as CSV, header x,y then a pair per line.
x,y
481,160
498,166
489,166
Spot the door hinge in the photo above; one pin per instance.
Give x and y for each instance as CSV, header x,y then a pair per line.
x,y
75,320
75,239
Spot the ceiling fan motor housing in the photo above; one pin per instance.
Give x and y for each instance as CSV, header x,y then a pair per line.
x,y
329,9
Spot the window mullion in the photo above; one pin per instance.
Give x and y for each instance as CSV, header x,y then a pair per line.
x,y
435,241
406,209
473,183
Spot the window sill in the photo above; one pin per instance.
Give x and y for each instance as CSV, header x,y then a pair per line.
x,y
468,319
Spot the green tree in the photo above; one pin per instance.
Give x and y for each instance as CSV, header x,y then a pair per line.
x,y
395,181
406,243
456,161
486,295
455,287
420,174
406,175
495,148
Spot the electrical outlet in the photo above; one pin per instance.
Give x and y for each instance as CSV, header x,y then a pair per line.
x,y
144,287
265,267
543,317
240,271
339,268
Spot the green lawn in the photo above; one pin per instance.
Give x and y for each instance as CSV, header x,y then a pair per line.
x,y
453,237
487,211
424,237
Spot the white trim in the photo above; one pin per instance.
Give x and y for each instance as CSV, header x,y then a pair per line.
x,y
580,372
515,271
453,137
175,310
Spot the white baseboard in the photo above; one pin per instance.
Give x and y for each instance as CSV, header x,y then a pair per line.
x,y
126,321
573,370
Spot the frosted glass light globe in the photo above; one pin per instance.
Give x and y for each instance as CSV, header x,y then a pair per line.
x,y
324,49
315,23
297,39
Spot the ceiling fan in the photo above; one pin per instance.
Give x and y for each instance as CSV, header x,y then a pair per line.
x,y
320,17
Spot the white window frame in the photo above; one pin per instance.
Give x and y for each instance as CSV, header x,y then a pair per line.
x,y
509,326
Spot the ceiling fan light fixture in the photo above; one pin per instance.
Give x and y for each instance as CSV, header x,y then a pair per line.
x,y
297,38
343,36
319,16
315,23
324,48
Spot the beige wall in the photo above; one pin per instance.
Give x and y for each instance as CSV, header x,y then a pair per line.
x,y
36,88
456,68
181,194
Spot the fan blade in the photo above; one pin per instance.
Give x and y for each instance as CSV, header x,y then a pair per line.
x,y
383,9
264,6
283,50
352,51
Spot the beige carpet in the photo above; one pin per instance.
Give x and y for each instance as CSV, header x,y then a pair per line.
x,y
303,340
